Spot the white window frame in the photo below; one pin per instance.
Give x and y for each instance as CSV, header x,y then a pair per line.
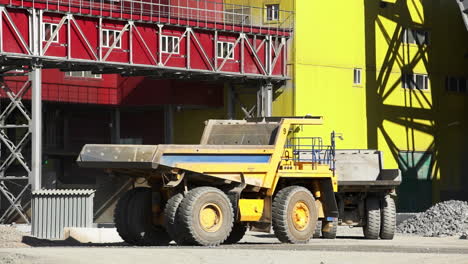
x,y
53,28
224,48
413,84
166,47
406,39
357,76
83,74
272,12
105,41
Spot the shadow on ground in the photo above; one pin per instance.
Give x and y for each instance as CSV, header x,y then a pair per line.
x,y
69,242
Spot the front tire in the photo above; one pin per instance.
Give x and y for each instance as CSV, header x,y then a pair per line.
x,y
206,217
294,215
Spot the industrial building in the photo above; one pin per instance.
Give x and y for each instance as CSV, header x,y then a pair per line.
x,y
129,72
388,75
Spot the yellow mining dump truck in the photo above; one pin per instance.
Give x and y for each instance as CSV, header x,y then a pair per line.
x,y
245,174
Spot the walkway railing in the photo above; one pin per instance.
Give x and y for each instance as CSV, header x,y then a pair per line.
x,y
197,13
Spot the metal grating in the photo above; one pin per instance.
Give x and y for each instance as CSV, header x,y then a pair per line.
x,y
55,209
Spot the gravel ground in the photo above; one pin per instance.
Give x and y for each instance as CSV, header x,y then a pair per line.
x,y
11,238
258,248
349,248
448,218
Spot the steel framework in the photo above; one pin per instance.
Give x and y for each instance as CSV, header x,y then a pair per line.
x,y
209,39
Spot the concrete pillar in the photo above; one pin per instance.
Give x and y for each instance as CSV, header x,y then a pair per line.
x,y
35,176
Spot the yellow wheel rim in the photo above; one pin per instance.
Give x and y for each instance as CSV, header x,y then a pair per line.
x,y
301,216
211,217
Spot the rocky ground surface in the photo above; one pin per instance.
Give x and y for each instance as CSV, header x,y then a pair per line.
x,y
349,248
438,235
448,218
10,237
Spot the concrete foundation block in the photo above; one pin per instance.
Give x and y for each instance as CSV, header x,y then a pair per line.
x,y
92,235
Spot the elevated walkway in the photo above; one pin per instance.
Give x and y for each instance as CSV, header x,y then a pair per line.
x,y
189,37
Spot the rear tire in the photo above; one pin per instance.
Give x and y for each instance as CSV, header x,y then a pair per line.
x,y
134,220
121,216
388,215
170,214
372,227
318,230
329,229
294,215
205,217
237,233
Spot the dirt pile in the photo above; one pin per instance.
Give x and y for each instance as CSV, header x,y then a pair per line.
x,y
10,237
448,218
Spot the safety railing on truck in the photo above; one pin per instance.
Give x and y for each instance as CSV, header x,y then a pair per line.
x,y
311,150
196,13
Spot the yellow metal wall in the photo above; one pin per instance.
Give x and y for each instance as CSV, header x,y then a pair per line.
x,y
332,38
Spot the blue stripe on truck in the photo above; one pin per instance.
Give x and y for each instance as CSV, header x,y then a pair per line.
x,y
171,159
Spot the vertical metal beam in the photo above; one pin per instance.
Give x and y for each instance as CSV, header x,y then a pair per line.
x,y
231,101
99,39
115,130
265,100
160,33
189,47
35,176
130,41
215,40
1,30
69,41
268,100
242,56
169,124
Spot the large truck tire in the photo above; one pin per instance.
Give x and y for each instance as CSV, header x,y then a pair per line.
x,y
170,213
329,229
121,216
388,218
318,230
238,232
134,220
205,217
294,215
372,227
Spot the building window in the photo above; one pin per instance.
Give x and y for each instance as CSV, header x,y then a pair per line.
x,y
108,38
83,74
48,31
415,81
225,50
272,12
357,76
170,44
414,36
457,85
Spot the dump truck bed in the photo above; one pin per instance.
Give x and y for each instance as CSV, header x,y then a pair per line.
x,y
155,156
363,170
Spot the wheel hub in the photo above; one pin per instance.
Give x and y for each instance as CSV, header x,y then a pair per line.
x,y
211,217
301,216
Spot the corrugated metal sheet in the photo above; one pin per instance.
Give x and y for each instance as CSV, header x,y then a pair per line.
x,y
52,210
